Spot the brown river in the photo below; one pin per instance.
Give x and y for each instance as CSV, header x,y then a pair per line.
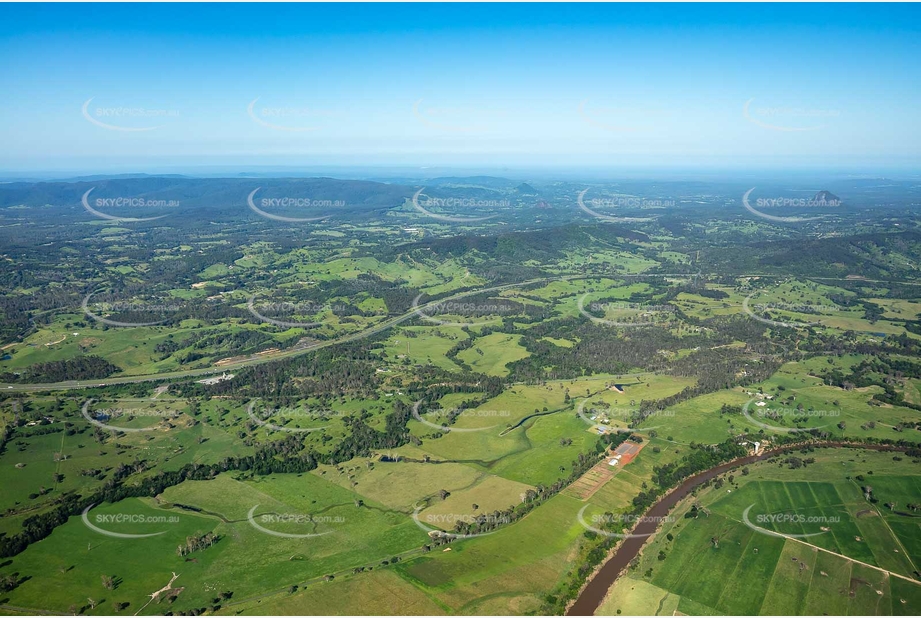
x,y
597,588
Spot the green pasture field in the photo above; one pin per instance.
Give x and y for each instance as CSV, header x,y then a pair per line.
x,y
130,348
493,416
748,572
381,589
635,597
163,448
898,308
504,572
490,493
246,560
545,459
563,343
625,262
491,354
788,301
423,345
830,405
400,485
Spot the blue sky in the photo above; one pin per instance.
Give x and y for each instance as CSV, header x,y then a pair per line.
x,y
773,86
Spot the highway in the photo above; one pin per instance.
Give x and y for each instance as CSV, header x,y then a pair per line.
x,y
298,351
258,360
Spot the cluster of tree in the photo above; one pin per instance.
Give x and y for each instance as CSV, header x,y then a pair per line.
x,y
11,581
864,254
600,349
197,543
16,311
77,368
884,371
346,369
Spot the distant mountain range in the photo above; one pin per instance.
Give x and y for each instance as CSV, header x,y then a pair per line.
x,y
206,193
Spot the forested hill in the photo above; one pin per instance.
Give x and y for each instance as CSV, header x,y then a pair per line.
x,y
532,245
871,256
212,194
